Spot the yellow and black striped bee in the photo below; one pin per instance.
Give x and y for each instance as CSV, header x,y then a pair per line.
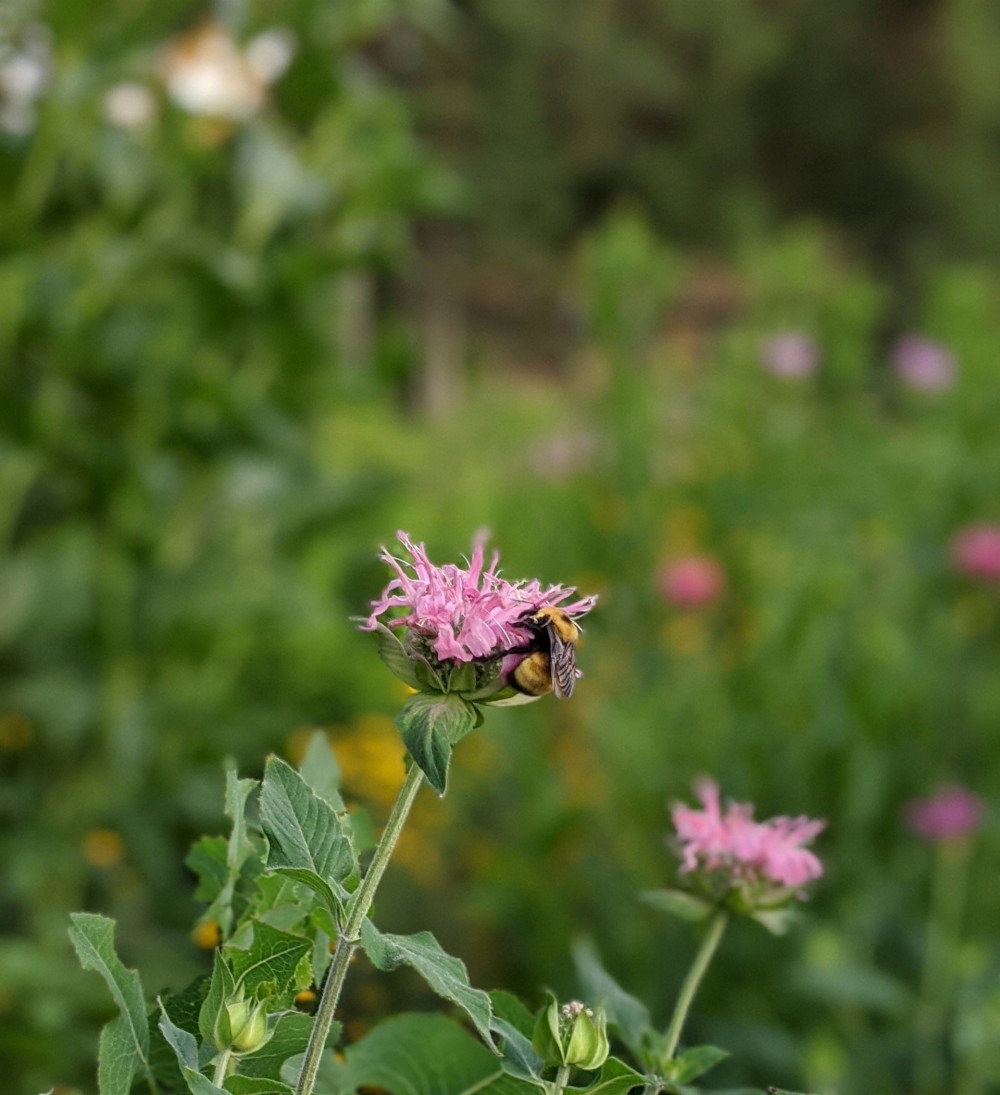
x,y
550,662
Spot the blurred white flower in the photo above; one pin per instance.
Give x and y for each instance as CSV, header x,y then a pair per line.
x,y
270,53
25,73
129,105
208,74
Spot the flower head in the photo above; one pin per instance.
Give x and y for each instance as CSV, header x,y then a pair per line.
x,y
951,813
691,581
728,846
924,364
789,355
976,551
464,614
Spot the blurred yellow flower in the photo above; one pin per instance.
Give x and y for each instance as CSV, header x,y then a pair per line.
x,y
306,998
974,615
685,635
684,528
371,758
103,848
206,934
16,731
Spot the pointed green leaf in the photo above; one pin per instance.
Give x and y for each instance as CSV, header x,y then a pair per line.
x,y
446,975
182,1008
307,839
269,959
695,1062
256,1085
419,1055
213,1026
679,903
508,1007
627,1014
321,772
430,724
124,1044
616,1078
395,658
208,859
186,1048
777,921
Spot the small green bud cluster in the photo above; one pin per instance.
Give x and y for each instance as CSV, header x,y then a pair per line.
x,y
571,1035
241,1026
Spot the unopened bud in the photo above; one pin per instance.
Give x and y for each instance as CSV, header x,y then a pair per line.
x,y
571,1035
247,1025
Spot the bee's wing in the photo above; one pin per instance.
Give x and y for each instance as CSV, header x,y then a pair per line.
x,y
562,658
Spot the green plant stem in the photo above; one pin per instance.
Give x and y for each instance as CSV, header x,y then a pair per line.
x,y
717,925
948,884
222,1067
347,942
561,1080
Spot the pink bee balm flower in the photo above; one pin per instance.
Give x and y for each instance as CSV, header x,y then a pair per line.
x,y
730,843
924,364
976,551
951,813
691,581
465,613
789,355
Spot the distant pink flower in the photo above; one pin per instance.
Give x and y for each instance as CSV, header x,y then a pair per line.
x,y
691,581
465,613
976,551
731,843
924,364
951,813
789,355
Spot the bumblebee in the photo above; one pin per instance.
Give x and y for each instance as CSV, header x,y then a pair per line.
x,y
550,661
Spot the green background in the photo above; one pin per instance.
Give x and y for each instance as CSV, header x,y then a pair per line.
x,y
508,265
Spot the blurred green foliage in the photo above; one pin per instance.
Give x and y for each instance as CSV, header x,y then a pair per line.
x,y
196,469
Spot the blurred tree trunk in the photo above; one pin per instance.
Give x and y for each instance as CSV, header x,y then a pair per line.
x,y
443,322
355,325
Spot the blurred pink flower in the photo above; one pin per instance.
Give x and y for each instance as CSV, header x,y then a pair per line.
x,y
950,813
976,551
465,613
924,364
732,843
789,355
691,581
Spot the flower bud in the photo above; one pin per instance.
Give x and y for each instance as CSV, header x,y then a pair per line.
x,y
571,1035
247,1025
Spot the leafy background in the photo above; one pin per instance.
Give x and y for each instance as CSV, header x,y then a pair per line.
x,y
498,264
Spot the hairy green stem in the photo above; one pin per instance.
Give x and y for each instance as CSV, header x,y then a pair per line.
x,y
944,920
222,1067
347,942
561,1080
716,927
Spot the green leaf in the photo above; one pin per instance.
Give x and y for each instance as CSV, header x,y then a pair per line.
x,y
446,975
514,1025
695,1062
508,1007
182,1008
616,1078
777,921
184,1045
256,1085
420,1055
627,1014
430,724
219,878
291,1033
307,839
270,959
395,658
208,859
213,1025
321,772
679,903
124,1043
781,1091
